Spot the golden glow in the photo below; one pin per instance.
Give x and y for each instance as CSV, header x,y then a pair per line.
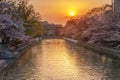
x,y
57,11
58,52
72,13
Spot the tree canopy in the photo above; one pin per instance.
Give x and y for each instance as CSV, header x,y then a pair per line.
x,y
18,20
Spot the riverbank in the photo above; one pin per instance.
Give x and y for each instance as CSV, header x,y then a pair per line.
x,y
9,55
71,40
102,50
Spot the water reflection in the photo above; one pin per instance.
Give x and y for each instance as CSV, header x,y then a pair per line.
x,y
56,59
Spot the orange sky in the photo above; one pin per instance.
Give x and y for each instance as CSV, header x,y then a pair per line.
x,y
57,11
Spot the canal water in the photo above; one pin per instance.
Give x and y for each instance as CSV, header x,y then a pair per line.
x,y
56,59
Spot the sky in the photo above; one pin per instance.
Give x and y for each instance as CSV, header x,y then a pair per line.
x,y
58,11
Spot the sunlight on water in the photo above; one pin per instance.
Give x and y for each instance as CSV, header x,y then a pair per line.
x,y
56,59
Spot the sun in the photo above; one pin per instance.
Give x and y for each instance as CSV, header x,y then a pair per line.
x,y
72,13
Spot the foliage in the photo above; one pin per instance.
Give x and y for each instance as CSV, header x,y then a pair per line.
x,y
35,31
10,27
51,29
30,17
16,17
98,26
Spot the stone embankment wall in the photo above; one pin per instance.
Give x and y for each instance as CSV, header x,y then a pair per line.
x,y
102,50
6,54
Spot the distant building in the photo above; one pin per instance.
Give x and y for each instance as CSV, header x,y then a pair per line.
x,y
51,30
116,6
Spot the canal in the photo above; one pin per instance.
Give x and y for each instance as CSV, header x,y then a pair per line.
x,y
56,59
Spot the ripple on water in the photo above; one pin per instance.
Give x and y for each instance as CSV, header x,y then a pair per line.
x,y
56,59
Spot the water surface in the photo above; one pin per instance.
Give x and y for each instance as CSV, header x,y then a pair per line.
x,y
56,59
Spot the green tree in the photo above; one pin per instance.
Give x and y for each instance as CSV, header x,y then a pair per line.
x,y
30,18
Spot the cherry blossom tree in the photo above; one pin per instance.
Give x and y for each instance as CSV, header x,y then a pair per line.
x,y
11,28
99,26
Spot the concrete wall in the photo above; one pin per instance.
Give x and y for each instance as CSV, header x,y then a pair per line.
x,y
71,40
101,50
116,6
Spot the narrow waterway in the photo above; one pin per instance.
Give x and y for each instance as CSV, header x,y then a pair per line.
x,y
56,59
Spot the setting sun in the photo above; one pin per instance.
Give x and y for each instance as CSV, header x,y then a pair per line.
x,y
72,13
